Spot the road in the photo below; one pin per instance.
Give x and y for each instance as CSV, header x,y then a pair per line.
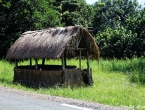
x,y
11,99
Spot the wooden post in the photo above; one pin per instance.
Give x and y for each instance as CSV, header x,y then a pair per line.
x,y
16,63
30,61
88,66
80,60
43,61
63,61
36,64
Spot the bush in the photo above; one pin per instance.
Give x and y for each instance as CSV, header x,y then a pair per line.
x,y
118,43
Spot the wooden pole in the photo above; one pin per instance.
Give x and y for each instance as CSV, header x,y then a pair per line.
x,y
30,61
88,66
63,61
16,63
43,61
80,60
36,64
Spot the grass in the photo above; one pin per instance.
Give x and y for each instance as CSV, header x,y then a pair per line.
x,y
116,82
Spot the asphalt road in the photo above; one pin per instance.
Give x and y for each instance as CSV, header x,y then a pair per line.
x,y
12,99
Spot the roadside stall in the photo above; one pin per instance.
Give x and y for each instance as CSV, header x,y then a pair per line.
x,y
53,43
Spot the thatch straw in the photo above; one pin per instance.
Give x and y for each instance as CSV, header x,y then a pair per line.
x,y
51,43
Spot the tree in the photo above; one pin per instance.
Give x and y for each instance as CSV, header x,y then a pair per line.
x,y
112,13
117,43
119,28
74,12
136,23
23,15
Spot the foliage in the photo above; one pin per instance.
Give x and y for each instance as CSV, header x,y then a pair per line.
x,y
74,12
119,25
44,15
20,16
117,82
112,13
105,16
117,43
136,23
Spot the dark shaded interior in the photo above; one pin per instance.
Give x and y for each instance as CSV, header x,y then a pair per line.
x,y
46,67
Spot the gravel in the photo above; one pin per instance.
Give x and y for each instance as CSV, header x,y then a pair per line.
x,y
71,101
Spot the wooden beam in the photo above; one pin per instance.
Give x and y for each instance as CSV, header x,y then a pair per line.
x,y
36,64
73,48
81,48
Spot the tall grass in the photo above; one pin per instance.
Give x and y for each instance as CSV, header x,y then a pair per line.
x,y
116,82
6,72
135,68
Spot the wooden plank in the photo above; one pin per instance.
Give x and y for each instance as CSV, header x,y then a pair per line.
x,y
73,77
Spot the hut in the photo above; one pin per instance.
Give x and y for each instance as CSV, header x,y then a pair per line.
x,y
53,43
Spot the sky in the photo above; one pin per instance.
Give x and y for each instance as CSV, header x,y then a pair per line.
x,y
93,1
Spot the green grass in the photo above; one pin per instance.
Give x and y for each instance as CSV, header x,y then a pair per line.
x,y
116,82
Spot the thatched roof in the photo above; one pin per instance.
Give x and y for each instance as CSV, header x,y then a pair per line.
x,y
52,42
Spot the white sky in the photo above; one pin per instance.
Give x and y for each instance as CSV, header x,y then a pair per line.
x,y
93,1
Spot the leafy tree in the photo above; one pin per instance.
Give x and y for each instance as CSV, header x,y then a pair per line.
x,y
44,15
19,16
136,23
112,13
117,43
74,12
119,25
119,28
